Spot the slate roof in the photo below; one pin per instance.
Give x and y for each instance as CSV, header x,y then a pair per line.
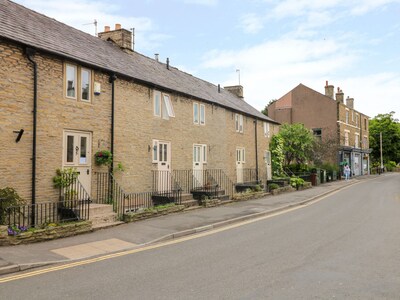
x,y
28,27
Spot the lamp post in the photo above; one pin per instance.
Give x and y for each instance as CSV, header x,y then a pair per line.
x,y
380,137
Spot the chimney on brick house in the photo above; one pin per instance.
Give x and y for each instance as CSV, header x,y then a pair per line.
x,y
120,36
340,95
350,102
329,90
236,90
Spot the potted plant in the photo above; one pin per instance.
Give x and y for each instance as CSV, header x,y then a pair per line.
x,y
103,157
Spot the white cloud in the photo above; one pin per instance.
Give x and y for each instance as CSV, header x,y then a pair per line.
x,y
251,23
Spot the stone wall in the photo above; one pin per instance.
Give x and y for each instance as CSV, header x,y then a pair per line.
x,y
41,235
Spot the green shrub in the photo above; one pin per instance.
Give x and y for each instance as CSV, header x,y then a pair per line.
x,y
296,182
8,197
273,186
390,166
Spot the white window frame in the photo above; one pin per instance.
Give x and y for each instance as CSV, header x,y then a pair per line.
x,y
162,106
347,116
266,129
154,153
157,103
75,67
346,137
239,123
89,87
196,113
357,140
240,154
203,158
202,113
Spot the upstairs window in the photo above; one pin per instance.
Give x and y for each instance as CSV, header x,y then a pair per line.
x,y
357,120
356,141
347,116
266,129
199,113
85,84
71,75
317,132
346,138
78,83
162,106
365,142
238,123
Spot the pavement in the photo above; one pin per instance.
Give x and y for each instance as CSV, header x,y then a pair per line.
x,y
140,234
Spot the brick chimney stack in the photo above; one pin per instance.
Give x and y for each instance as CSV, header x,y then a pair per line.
x,y
340,95
329,90
120,36
350,102
236,90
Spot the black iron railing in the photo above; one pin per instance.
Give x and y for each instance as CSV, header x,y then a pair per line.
x,y
188,180
225,185
166,188
250,175
47,212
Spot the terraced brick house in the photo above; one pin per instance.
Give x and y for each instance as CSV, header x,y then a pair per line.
x,y
331,120
72,95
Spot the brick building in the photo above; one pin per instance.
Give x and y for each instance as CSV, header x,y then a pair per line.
x,y
71,95
330,119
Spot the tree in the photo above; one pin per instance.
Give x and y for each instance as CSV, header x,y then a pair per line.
x,y
297,143
277,157
325,150
265,110
390,129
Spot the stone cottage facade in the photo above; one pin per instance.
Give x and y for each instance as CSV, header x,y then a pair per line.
x,y
71,95
331,120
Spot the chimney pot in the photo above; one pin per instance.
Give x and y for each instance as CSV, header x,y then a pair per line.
x,y
117,26
156,56
106,28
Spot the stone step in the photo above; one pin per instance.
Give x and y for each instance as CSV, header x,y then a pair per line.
x,y
103,218
99,209
190,202
185,197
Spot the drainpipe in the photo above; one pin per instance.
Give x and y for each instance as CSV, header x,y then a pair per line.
x,y
112,79
29,53
256,142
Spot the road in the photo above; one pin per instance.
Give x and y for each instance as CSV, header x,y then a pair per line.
x,y
346,246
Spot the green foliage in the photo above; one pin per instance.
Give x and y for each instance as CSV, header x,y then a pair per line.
x,y
103,157
329,167
265,110
277,156
65,177
297,143
257,188
8,197
390,129
296,182
298,168
390,166
273,186
120,167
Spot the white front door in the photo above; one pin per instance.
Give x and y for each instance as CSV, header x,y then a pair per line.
x,y
267,159
77,154
240,160
199,159
164,181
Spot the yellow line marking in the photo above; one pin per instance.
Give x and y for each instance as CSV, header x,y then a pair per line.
x,y
172,242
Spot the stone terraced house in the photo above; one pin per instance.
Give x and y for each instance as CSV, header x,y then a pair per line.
x,y
330,119
66,95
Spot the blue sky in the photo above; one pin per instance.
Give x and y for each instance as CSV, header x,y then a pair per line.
x,y
354,44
